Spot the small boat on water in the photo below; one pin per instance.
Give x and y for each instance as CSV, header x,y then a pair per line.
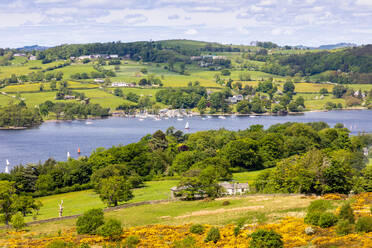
x,y
187,126
179,119
88,123
141,119
68,155
7,171
209,117
79,151
253,116
222,117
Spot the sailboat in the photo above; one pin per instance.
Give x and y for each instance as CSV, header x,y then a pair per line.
x,y
68,155
7,167
187,126
79,151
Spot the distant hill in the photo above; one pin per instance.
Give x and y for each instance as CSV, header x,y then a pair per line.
x,y
32,48
335,46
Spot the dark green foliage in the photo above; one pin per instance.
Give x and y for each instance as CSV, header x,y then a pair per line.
x,y
18,222
327,220
197,229
112,229
113,190
344,227
265,239
131,242
243,153
213,235
225,203
319,205
312,218
239,225
19,116
89,222
59,244
347,213
182,97
188,242
364,224
317,216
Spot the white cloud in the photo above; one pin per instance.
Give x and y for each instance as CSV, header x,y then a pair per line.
x,y
49,1
62,11
282,31
362,31
364,2
191,32
19,19
206,9
267,2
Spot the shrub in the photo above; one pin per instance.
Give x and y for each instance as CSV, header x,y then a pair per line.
x,y
319,205
312,218
112,229
344,227
238,226
225,203
213,235
197,229
89,221
188,242
327,220
131,242
347,213
265,239
59,244
364,224
18,222
84,245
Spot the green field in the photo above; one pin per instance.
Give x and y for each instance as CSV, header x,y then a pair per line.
x,y
103,98
23,69
80,201
248,176
311,103
75,68
255,208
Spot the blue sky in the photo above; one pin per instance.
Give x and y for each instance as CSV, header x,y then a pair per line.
x,y
292,22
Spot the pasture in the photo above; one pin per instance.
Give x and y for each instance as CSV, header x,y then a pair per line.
x,y
254,208
80,201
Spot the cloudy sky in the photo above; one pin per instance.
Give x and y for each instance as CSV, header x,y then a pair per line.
x,y
292,22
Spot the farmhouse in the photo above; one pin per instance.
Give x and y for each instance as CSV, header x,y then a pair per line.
x,y
235,98
119,84
32,57
232,188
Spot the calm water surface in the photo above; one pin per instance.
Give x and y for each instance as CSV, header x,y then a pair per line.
x,y
55,139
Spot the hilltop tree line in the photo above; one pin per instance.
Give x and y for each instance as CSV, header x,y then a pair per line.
x,y
353,65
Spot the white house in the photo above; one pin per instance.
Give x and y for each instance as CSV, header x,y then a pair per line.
x,y
119,84
32,57
234,188
228,188
99,80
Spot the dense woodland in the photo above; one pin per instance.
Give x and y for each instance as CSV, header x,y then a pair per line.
x,y
353,65
19,116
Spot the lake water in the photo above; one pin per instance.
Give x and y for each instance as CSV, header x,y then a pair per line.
x,y
55,139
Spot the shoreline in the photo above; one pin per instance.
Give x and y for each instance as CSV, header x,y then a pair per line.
x,y
193,114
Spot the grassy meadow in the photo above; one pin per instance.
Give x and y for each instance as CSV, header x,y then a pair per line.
x,y
80,201
255,208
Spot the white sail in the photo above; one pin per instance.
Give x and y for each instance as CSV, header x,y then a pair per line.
x,y
187,126
68,155
7,167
